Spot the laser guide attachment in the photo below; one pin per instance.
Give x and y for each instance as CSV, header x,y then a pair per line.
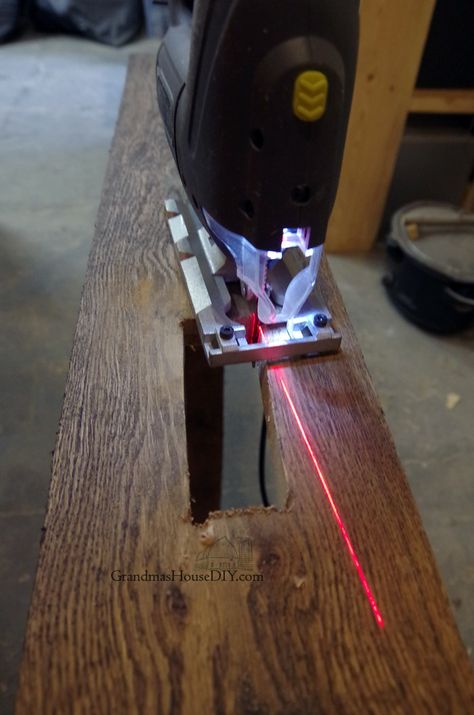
x,y
226,303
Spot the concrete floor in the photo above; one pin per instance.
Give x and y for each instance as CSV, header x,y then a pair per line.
x,y
59,104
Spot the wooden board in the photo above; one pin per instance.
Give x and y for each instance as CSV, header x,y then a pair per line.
x,y
443,101
392,39
303,640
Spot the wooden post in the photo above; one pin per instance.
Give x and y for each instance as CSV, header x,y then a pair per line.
x,y
443,101
295,632
392,38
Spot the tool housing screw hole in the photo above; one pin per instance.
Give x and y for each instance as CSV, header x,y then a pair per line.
x,y
257,139
301,194
246,206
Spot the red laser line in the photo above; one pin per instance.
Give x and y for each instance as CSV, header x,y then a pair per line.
x,y
252,326
340,523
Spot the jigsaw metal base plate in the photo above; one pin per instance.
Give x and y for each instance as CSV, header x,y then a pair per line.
x,y
205,268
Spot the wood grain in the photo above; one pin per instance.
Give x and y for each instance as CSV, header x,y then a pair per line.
x,y
443,101
392,39
301,642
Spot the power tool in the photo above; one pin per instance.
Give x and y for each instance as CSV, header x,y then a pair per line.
x,y
255,97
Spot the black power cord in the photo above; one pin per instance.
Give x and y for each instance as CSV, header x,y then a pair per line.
x,y
261,462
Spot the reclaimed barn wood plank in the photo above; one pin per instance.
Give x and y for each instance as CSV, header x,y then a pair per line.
x,y
304,639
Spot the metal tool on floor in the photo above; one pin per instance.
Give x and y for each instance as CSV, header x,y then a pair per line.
x,y
255,99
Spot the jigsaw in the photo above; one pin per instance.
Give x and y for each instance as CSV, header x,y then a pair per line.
x,y
255,97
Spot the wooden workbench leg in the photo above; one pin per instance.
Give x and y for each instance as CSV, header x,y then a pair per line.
x,y
203,399
392,39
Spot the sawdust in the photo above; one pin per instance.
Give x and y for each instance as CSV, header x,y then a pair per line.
x,y
207,537
452,399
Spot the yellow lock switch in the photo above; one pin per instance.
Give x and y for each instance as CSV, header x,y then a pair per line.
x,y
310,95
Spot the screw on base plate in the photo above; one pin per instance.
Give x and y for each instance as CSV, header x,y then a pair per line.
x,y
226,332
320,320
